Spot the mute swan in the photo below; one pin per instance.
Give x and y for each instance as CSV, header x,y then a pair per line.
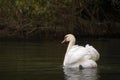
x,y
79,56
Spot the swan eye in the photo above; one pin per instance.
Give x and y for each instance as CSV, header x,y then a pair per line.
x,y
65,36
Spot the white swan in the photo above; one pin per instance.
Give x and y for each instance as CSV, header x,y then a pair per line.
x,y
79,56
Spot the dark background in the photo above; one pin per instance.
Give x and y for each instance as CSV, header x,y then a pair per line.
x,y
51,19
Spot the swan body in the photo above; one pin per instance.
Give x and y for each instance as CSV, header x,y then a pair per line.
x,y
77,56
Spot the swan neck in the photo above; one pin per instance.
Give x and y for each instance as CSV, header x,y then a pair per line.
x,y
71,43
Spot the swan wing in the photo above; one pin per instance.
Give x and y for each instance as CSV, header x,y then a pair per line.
x,y
93,52
76,55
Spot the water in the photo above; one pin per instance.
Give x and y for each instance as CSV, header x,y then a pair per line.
x,y
43,61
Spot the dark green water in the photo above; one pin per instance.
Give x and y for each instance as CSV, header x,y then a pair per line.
x,y
43,61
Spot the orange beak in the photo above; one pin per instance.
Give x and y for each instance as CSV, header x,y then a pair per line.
x,y
63,41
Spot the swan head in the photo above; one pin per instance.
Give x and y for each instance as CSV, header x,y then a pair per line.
x,y
69,38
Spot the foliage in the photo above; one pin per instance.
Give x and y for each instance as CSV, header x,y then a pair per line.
x,y
24,18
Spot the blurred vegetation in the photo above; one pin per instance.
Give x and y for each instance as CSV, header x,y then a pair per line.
x,y
37,19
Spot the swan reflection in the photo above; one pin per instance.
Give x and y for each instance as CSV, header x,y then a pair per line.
x,y
77,74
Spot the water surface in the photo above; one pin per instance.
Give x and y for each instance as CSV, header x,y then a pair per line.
x,y
43,61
